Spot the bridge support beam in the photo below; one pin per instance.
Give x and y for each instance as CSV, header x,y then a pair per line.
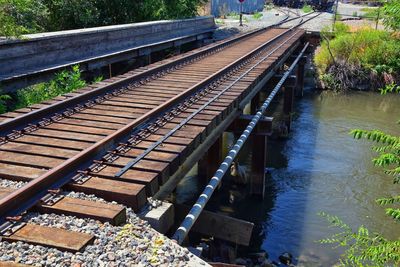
x,y
300,76
255,103
288,100
210,162
259,145
258,165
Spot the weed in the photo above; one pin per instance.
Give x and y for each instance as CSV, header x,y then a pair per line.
x,y
220,21
257,15
307,9
364,53
64,82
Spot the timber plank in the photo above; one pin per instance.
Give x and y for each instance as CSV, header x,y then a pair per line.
x,y
4,191
149,179
129,194
38,150
20,173
104,212
51,237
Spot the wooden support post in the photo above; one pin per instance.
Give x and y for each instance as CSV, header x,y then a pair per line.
x,y
258,164
210,162
259,137
145,59
218,225
300,77
177,50
255,103
110,70
288,104
199,43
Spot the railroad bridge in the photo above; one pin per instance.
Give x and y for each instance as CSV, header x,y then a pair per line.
x,y
136,135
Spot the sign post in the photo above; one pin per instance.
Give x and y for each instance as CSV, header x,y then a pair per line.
x,y
241,13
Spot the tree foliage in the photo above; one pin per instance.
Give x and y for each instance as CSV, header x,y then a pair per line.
x,y
30,16
391,14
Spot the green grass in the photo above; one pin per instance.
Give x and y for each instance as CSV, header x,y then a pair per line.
x,y
307,9
257,15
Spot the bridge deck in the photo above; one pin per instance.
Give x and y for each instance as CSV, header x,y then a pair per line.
x,y
33,154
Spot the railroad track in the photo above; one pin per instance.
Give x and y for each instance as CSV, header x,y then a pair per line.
x,y
121,139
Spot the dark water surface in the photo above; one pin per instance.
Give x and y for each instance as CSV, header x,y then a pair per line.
x,y
319,168
322,168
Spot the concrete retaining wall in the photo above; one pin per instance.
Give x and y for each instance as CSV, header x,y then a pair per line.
x,y
223,7
93,47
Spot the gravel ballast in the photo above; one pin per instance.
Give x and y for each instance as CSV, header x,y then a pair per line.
x,y
134,244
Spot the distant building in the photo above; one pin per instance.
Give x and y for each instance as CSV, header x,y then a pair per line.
x,y
220,8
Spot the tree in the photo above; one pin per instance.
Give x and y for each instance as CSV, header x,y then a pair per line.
x,y
391,14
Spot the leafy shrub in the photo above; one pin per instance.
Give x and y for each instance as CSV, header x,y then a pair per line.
x,y
64,82
307,9
3,103
391,14
362,247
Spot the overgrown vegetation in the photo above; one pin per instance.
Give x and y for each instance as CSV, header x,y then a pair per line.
x,y
63,82
364,248
233,15
307,8
257,15
30,16
364,59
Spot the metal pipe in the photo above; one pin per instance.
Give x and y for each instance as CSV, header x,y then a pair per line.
x,y
198,207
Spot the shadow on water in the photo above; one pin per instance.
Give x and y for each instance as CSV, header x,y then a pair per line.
x,y
319,168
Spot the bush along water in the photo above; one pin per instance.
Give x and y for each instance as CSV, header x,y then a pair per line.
x,y
64,82
365,59
363,247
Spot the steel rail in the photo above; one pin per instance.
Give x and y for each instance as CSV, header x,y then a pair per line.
x,y
197,111
26,196
201,202
28,118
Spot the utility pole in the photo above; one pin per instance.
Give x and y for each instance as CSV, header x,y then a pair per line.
x,y
377,18
241,13
334,17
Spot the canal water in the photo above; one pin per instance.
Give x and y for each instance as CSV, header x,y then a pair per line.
x,y
320,167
